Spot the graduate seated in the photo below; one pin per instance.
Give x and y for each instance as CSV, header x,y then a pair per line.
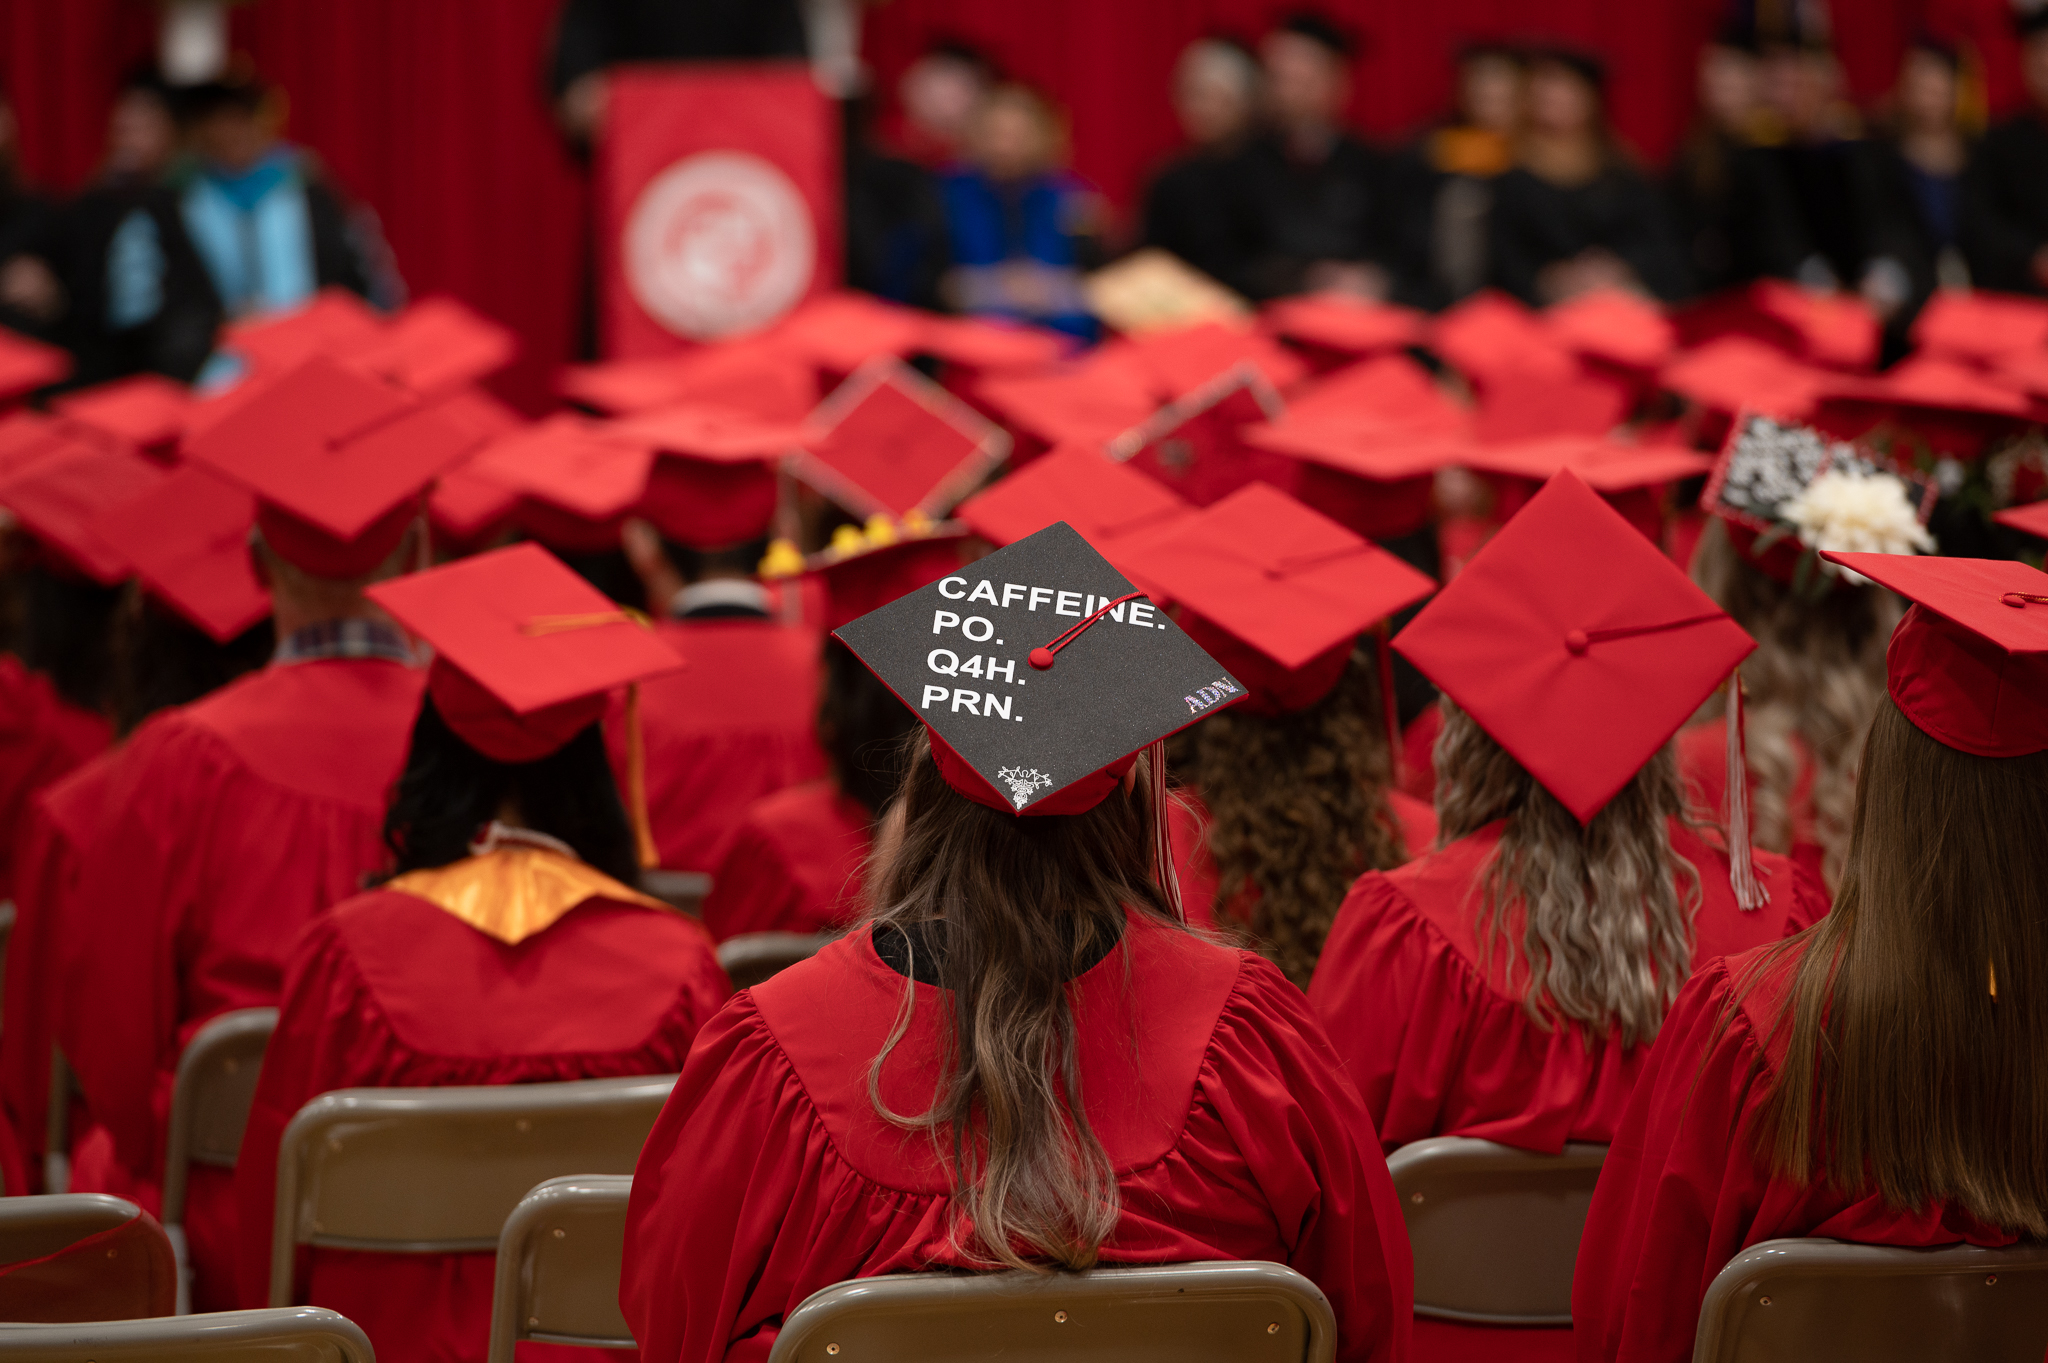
x,y
1576,214
1507,985
955,1084
1882,1078
230,823
1297,780
2003,214
1023,228
507,946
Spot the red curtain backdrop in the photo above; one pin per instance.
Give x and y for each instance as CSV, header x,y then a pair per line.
x,y
431,111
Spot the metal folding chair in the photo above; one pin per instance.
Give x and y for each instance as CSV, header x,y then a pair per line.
x,y
302,1334
1218,1312
753,957
210,1100
438,1171
1827,1301
121,1265
1495,1230
558,1267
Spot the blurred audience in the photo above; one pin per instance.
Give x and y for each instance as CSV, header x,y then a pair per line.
x,y
940,93
1313,206
1464,157
270,228
1733,210
139,296
2004,216
1575,213
1215,97
896,246
31,298
1023,229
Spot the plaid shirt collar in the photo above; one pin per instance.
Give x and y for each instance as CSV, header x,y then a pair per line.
x,y
355,638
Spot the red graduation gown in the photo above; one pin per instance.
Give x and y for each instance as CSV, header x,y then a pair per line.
x,y
47,863
1440,1045
229,823
390,990
1682,1193
1198,875
794,864
738,723
1703,763
1233,1133
42,737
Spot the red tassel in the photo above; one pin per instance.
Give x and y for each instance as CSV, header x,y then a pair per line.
x,y
1750,894
1163,872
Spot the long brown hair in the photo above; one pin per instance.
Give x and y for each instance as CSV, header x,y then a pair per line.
x,y
1026,903
1607,907
1817,674
1298,811
1917,1057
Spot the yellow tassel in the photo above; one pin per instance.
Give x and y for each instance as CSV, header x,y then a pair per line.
x,y
636,782
783,559
880,531
1992,966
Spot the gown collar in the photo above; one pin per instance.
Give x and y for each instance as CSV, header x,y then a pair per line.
x,y
515,888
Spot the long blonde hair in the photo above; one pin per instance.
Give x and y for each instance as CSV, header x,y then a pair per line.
x,y
1607,908
1025,904
1817,675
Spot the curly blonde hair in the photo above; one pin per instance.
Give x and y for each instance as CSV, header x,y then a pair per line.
x,y
1816,677
1607,908
1298,811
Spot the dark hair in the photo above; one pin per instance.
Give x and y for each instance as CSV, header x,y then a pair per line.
x,y
1916,1023
450,791
967,54
1321,28
1938,48
67,633
228,94
1025,905
160,660
695,564
1491,49
863,728
1587,66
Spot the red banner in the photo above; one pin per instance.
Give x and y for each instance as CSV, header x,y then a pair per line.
x,y
718,202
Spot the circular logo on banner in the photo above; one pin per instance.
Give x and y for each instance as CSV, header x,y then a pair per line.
x,y
718,243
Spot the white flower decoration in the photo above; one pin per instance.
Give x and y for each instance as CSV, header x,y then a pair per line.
x,y
1856,513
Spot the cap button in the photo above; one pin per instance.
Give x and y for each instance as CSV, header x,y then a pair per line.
x,y
2015,600
1040,657
1576,641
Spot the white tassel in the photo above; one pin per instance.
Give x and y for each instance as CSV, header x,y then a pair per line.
x,y
1163,872
1750,894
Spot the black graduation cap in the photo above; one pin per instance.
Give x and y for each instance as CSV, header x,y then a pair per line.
x,y
1040,671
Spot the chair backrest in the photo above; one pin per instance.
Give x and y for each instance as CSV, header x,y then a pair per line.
x,y
685,890
82,1256
1819,1300
558,1267
1495,1230
210,1098
1219,1312
437,1171
301,1334
753,957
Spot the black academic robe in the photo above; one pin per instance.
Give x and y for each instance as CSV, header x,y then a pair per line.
x,y
594,34
1537,223
896,242
1734,212
28,227
2005,205
1287,215
177,338
1186,211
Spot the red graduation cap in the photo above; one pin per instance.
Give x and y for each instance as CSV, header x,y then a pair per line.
x,y
1194,444
1969,663
26,436
867,573
754,374
147,410
713,481
1734,372
467,508
1607,466
59,495
1614,326
840,332
335,323
338,462
1345,323
438,344
1935,382
188,539
1522,405
1181,363
988,345
2031,518
1490,334
581,466
1838,330
1375,481
1575,643
892,442
1979,326
1106,501
1276,592
1092,399
1388,390
26,365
